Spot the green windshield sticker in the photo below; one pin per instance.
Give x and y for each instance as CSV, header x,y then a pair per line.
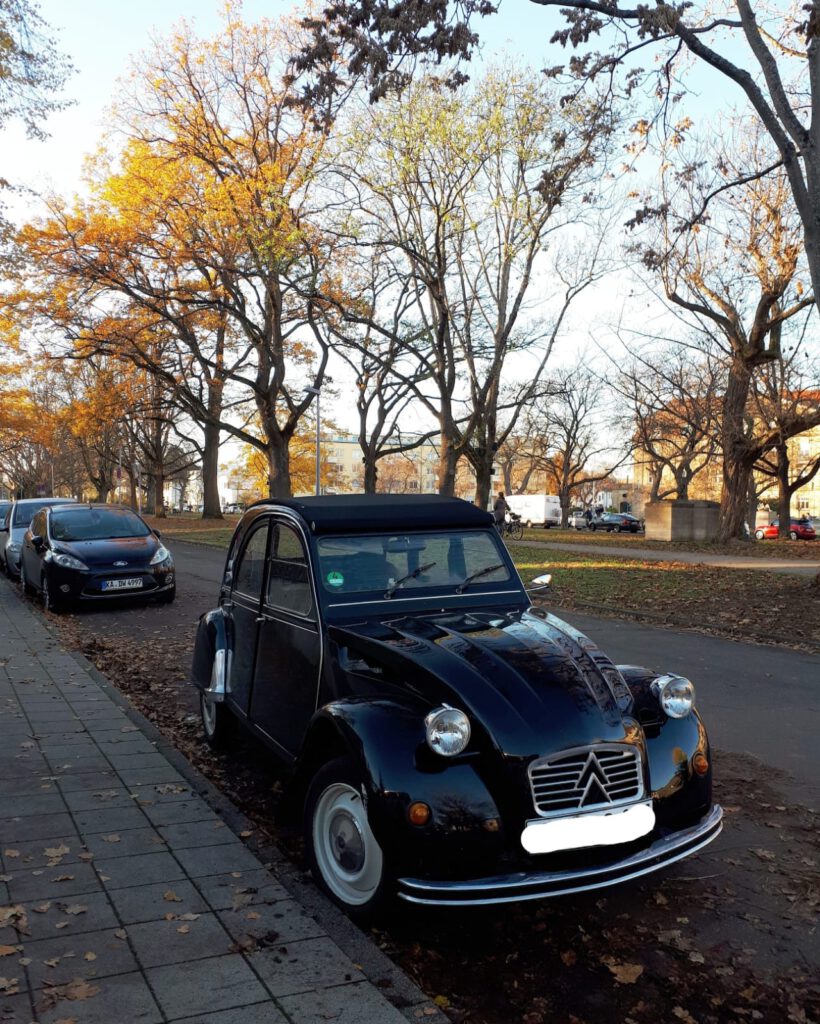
x,y
335,579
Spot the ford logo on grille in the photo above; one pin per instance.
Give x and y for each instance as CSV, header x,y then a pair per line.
x,y
120,563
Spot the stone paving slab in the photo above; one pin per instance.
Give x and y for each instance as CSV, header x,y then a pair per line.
x,y
128,898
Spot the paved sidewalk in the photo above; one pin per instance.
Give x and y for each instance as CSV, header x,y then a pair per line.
x,y
125,899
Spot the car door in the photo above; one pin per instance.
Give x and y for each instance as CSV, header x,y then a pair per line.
x,y
33,548
289,655
243,606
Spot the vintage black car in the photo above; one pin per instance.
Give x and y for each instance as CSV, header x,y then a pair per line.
x,y
449,741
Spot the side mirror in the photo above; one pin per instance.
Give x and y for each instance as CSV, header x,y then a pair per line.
x,y
539,583
157,534
38,543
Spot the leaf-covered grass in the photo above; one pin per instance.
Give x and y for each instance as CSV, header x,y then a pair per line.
x,y
194,529
750,603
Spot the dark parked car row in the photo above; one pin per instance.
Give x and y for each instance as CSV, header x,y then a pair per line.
x,y
619,522
448,741
68,552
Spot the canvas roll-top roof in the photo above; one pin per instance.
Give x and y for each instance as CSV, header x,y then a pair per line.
x,y
362,513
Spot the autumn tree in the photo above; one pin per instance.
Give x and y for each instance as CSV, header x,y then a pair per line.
x,y
466,191
737,280
202,226
672,400
787,389
578,447
768,59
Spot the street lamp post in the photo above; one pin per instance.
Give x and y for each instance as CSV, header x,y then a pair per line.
x,y
317,392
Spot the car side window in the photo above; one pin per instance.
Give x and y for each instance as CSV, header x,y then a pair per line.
x,y
288,575
251,571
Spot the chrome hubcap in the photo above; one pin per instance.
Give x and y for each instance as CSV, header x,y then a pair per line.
x,y
346,841
348,856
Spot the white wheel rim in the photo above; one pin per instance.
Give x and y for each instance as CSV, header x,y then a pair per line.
x,y
208,708
347,854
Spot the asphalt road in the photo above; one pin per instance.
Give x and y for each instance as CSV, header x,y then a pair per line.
x,y
757,700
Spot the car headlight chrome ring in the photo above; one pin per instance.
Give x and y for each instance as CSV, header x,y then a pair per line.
x,y
676,695
447,731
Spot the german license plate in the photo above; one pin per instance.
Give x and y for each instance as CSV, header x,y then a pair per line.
x,y
133,584
601,828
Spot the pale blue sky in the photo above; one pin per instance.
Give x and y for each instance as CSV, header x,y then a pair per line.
x,y
100,36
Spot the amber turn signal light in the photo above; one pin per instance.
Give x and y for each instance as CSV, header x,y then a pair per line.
x,y
418,813
700,763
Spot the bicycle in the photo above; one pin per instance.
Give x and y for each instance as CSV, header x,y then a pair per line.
x,y
512,527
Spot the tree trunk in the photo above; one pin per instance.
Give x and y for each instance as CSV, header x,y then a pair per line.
x,y
784,496
211,508
278,467
737,468
159,493
371,473
563,498
447,462
483,481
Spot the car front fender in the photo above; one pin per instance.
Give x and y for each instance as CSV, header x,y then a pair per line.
x,y
387,741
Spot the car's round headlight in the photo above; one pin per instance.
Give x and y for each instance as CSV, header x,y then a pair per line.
x,y
448,731
676,695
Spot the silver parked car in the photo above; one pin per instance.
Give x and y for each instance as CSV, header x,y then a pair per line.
x,y
13,529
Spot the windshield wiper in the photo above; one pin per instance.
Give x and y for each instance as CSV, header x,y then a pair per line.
x,y
410,576
477,575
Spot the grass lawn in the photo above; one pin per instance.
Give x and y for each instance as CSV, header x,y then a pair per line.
x,y
753,604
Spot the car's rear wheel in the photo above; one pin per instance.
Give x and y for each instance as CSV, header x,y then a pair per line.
x,y
217,722
618,528
344,855
759,534
792,534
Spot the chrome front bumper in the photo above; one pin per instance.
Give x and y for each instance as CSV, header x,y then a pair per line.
x,y
534,885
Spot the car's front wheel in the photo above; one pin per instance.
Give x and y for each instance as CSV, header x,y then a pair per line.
x,y
344,855
168,596
792,534
759,535
50,604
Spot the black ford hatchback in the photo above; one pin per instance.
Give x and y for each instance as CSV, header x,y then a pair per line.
x,y
94,553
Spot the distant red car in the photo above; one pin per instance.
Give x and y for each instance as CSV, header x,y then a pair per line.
x,y
801,529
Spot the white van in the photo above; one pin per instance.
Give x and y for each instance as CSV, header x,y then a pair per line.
x,y
536,509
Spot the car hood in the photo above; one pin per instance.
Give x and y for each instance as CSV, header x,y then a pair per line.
x,y
135,551
534,682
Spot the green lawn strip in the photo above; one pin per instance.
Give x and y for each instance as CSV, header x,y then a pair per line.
x,y
753,604
788,549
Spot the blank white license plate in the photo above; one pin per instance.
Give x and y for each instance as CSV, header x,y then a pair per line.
x,y
133,584
599,828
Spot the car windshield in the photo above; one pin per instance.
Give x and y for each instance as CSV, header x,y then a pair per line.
x,y
96,524
377,562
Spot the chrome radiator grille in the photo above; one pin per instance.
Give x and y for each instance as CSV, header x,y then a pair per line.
x,y
597,776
